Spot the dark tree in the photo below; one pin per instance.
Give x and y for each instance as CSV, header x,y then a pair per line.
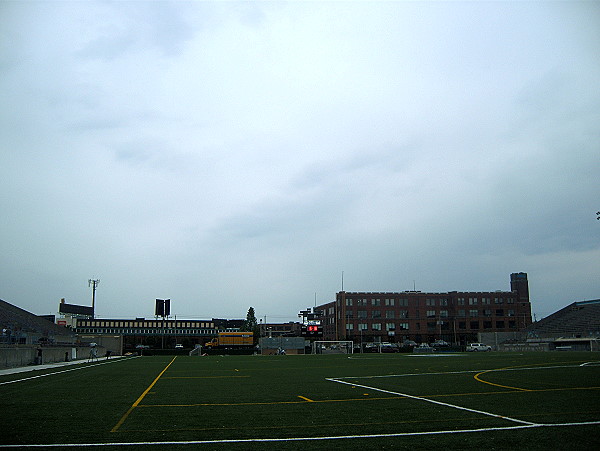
x,y
251,324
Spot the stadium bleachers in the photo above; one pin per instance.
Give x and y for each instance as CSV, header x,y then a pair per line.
x,y
579,319
18,323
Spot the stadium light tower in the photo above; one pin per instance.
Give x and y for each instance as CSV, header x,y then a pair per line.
x,y
93,283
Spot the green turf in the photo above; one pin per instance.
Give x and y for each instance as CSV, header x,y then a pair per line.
x,y
162,398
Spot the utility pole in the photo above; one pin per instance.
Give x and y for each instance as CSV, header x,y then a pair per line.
x,y
93,283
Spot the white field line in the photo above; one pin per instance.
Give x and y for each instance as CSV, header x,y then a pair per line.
x,y
298,439
464,371
66,371
439,403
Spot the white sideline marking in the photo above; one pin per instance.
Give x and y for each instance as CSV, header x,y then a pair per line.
x,y
66,371
596,363
463,372
298,439
432,401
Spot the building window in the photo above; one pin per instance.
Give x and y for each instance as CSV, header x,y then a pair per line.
x,y
349,314
443,313
402,313
376,326
462,313
462,324
429,302
361,314
473,313
444,302
487,313
402,326
499,324
349,326
389,302
487,324
500,312
430,326
349,302
472,301
390,314
376,314
460,301
474,325
362,326
402,302
511,313
376,302
361,302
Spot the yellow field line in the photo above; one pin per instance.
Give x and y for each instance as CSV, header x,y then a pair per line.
x,y
303,426
314,426
516,367
200,377
383,398
269,403
477,378
137,402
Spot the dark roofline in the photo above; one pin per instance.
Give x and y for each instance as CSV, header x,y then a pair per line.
x,y
594,301
63,307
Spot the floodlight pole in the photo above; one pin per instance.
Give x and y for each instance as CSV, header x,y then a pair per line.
x,y
93,283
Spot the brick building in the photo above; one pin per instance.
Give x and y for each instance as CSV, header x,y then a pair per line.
x,y
455,316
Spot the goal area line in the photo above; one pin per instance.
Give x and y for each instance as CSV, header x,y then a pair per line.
x,y
300,439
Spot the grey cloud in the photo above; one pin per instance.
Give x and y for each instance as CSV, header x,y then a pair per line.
x,y
236,144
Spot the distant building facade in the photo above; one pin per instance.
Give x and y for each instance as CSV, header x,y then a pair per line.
x,y
291,329
455,316
156,333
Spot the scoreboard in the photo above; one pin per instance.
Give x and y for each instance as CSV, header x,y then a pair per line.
x,y
312,328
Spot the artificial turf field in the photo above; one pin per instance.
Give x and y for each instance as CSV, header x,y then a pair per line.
x,y
382,401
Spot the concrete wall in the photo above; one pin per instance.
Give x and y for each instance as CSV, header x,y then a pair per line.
x,y
497,339
114,343
291,345
11,357
524,347
24,355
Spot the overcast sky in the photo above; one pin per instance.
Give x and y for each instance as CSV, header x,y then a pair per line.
x,y
235,154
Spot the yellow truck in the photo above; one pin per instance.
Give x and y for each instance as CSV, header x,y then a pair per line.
x,y
231,340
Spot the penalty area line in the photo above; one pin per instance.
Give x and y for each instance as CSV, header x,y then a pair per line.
x,y
433,401
298,439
